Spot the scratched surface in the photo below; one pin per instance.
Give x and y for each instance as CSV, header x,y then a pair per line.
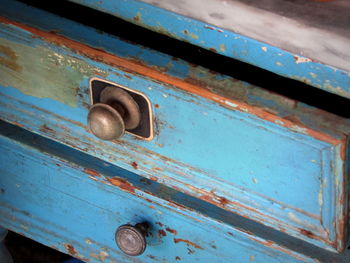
x,y
76,210
256,32
237,135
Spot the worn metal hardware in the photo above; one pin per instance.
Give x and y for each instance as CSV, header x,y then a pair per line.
x,y
132,106
177,234
124,103
116,112
105,122
131,239
275,158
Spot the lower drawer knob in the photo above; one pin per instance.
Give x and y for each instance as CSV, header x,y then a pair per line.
x,y
131,239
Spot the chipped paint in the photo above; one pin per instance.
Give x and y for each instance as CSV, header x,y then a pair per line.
x,y
279,64
122,184
172,231
273,245
192,35
294,218
102,255
88,241
186,85
8,58
279,122
313,75
92,172
189,243
138,17
224,201
65,73
222,47
299,59
70,249
264,49
320,196
135,165
161,233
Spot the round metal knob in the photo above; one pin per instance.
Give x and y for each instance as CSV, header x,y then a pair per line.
x,y
131,239
116,112
105,122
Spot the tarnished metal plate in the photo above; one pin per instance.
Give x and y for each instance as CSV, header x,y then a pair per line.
x,y
243,158
144,131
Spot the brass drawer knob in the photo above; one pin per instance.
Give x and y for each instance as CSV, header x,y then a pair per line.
x,y
131,239
116,112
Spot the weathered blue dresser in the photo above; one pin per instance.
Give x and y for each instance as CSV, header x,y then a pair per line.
x,y
111,151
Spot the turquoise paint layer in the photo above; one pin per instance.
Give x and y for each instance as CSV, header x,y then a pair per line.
x,y
61,206
244,139
236,46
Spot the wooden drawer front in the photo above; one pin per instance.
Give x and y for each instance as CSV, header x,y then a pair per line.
x,y
60,204
226,152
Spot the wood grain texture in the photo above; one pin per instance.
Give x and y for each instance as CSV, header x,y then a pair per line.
x,y
239,157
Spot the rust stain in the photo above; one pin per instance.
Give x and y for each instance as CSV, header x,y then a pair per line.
x,y
127,76
173,231
178,206
246,231
308,233
148,200
189,243
70,249
213,50
343,151
9,58
122,184
161,233
177,258
92,172
135,165
18,124
342,223
223,201
137,18
154,178
209,27
46,129
137,68
156,106
159,223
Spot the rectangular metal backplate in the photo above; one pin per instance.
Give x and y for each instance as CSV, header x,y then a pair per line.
x,y
145,130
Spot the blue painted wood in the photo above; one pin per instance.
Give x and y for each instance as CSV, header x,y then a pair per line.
x,y
228,169
236,45
217,83
53,201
